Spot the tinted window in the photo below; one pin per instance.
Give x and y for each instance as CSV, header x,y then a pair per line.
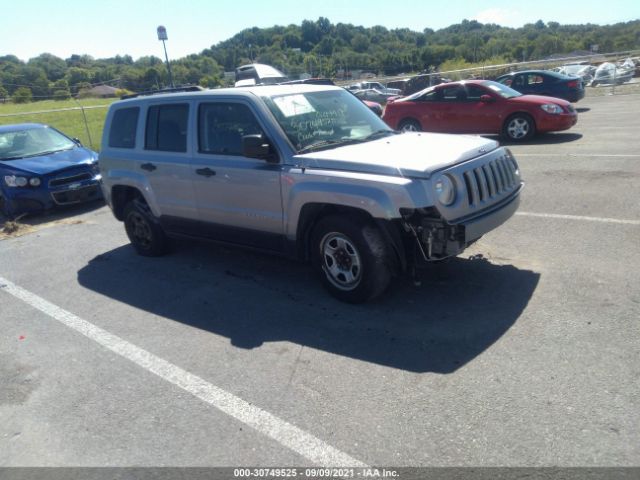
x,y
221,127
453,94
123,128
474,93
167,128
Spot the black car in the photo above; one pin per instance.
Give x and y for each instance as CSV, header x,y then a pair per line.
x,y
544,82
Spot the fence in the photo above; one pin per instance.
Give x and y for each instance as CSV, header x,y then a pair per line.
x,y
490,72
76,120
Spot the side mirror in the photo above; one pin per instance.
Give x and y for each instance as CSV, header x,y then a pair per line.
x,y
486,98
77,141
256,146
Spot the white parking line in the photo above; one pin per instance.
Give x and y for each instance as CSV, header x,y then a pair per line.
x,y
579,217
279,430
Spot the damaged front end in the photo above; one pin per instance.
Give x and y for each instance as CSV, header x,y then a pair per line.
x,y
428,237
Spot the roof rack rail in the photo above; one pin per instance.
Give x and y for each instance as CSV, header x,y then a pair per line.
x,y
186,88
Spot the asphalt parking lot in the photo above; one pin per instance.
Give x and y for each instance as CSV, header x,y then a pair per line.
x,y
523,352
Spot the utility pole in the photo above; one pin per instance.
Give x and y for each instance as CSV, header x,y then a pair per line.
x,y
162,35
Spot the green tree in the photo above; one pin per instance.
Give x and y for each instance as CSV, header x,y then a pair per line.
x,y
22,95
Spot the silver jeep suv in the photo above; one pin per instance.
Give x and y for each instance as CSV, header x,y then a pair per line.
x,y
304,171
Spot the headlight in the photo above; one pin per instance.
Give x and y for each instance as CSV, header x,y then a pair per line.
x,y
551,108
14,181
34,182
445,190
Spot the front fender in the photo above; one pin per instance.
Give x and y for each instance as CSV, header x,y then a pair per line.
x,y
379,196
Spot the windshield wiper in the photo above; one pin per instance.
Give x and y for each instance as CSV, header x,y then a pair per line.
x,y
379,134
320,144
347,141
48,152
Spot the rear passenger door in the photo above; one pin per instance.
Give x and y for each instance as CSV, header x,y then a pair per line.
x,y
238,198
166,160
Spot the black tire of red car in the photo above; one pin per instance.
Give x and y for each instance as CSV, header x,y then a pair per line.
x,y
519,127
144,231
351,257
409,125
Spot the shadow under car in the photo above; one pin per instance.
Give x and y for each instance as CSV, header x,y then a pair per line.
x,y
461,309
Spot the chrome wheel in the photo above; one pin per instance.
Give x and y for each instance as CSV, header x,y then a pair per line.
x,y
518,128
341,261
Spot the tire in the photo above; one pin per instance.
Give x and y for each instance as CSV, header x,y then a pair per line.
x,y
351,257
519,127
143,230
409,125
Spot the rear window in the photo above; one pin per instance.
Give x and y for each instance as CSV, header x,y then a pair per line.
x,y
123,128
167,128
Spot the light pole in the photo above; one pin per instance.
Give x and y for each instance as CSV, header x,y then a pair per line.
x,y
162,35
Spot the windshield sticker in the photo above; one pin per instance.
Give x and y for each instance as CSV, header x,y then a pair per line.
x,y
292,105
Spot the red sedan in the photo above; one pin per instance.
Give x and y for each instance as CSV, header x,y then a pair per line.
x,y
479,106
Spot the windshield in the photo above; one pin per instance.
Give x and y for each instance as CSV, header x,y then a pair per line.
x,y
32,142
502,90
316,120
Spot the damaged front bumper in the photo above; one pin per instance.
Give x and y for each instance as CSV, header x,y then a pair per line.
x,y
431,238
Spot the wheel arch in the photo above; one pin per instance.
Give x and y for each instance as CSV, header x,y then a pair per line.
x,y
312,213
121,195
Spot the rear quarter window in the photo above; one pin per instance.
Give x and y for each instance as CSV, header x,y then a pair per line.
x,y
124,123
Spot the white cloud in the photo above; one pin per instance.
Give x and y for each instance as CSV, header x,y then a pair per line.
x,y
501,16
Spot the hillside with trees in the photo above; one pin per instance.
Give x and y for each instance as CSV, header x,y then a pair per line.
x,y
318,48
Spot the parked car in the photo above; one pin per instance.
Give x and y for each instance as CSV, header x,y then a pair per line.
x,y
582,71
40,168
610,74
374,86
374,95
544,82
305,171
479,106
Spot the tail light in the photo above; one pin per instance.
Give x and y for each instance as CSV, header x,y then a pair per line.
x,y
572,84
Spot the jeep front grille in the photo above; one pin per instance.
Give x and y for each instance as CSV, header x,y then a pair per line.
x,y
490,180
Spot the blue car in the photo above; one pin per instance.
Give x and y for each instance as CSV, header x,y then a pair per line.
x,y
545,83
41,168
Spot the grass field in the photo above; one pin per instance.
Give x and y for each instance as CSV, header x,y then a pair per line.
x,y
71,122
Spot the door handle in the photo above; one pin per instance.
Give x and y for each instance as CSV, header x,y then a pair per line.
x,y
206,172
149,167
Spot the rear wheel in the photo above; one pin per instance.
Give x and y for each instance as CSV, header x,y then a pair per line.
x,y
351,258
409,125
143,230
519,127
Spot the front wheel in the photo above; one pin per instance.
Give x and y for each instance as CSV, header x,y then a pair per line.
x,y
143,230
519,127
351,257
409,125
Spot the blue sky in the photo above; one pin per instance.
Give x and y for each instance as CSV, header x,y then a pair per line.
x,y
106,28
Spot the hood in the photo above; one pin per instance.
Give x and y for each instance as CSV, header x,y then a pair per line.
x,y
539,100
409,154
44,164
